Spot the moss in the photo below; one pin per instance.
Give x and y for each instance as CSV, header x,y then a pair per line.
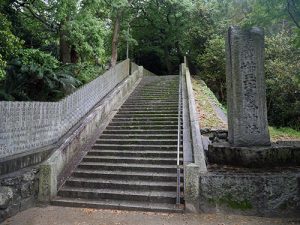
x,y
230,202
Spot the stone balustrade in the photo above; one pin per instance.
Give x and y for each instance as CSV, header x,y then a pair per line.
x,y
26,126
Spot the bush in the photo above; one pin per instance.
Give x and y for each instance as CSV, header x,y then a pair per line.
x,y
282,80
84,72
212,64
34,76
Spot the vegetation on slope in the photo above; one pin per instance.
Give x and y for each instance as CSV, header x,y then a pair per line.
x,y
205,99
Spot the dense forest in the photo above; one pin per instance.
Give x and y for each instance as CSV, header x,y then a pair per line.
x,y
48,48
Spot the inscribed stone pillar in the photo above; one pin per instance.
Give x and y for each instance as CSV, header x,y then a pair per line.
x,y
246,90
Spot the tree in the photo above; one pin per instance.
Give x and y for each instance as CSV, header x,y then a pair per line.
x,y
63,19
167,26
118,9
9,44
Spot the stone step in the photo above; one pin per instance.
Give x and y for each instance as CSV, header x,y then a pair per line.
x,y
130,160
139,136
149,108
157,90
141,116
149,119
132,165
137,141
147,88
145,112
122,184
143,127
155,98
143,122
142,132
136,147
131,195
153,94
152,103
123,152
128,167
127,175
117,205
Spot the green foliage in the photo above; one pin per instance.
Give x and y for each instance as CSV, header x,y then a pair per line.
x,y
2,68
87,34
84,72
33,76
213,66
10,45
282,79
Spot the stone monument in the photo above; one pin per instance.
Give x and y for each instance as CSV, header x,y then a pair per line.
x,y
246,90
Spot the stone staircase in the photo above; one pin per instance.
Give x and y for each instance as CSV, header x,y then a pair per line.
x,y
133,163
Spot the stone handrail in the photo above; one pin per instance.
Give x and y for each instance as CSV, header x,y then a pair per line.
x,y
134,67
197,145
26,126
148,73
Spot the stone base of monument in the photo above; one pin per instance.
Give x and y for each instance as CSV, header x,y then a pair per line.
x,y
252,192
276,155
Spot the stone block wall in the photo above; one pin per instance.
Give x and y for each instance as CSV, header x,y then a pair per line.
x,y
272,194
18,192
25,126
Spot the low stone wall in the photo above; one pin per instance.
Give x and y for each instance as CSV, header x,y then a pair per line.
x,y
18,192
242,191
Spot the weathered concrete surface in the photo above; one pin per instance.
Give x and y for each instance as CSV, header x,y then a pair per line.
x,y
51,170
77,216
18,192
197,145
193,149
278,154
251,192
246,91
191,190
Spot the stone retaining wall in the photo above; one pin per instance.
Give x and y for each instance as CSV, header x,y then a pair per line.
x,y
261,193
18,192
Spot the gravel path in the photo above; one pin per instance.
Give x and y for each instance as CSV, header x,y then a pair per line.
x,y
77,216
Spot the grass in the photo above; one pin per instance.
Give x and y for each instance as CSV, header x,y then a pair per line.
x,y
284,133
204,100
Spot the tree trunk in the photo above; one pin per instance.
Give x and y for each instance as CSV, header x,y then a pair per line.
x,y
74,55
64,48
115,40
179,53
167,60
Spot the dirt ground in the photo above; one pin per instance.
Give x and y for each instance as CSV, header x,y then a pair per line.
x,y
78,216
